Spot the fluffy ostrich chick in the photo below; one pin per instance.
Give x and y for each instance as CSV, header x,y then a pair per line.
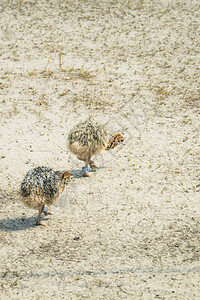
x,y
89,138
42,186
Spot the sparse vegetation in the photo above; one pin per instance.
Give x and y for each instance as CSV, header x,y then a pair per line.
x,y
132,230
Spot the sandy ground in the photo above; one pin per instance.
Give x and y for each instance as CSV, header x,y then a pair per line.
x,y
132,230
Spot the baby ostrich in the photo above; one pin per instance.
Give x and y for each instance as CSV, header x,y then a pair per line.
x,y
42,186
89,138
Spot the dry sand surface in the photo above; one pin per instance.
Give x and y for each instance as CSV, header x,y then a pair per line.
x,y
132,230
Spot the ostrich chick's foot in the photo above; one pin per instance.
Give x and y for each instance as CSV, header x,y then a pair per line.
x,y
86,175
85,172
93,165
40,224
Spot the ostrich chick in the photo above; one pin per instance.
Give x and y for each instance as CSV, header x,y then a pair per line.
x,y
89,138
42,186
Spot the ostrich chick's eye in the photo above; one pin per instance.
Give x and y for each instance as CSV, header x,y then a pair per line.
x,y
122,141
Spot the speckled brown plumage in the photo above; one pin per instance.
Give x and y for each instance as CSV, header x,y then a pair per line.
x,y
89,138
42,186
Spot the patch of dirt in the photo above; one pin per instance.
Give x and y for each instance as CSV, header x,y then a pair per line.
x,y
131,230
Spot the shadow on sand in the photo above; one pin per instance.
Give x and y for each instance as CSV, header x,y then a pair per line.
x,y
78,173
17,224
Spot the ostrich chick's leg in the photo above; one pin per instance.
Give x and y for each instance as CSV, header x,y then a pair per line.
x,y
92,163
85,169
38,222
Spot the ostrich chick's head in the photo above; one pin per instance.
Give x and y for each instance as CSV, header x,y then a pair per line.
x,y
66,176
116,139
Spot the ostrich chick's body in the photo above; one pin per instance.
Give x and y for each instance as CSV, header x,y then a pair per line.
x,y
89,138
42,186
